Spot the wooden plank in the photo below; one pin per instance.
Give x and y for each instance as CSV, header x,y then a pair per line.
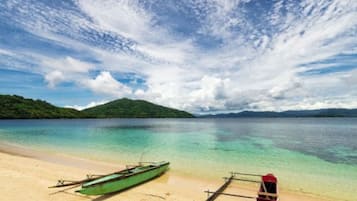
x,y
247,180
268,194
220,190
246,174
232,195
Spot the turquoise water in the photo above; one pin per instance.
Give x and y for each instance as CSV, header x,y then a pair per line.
x,y
312,155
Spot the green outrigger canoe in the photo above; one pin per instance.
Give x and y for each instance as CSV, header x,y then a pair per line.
x,y
119,181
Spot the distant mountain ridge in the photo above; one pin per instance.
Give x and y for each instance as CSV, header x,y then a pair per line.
x,y
329,112
17,107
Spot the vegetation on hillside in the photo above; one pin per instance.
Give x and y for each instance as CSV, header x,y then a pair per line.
x,y
126,108
17,107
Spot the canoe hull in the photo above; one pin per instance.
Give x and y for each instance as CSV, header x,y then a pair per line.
x,y
124,183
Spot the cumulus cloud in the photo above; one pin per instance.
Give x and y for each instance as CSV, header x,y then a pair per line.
x,y
65,69
104,83
211,93
82,107
54,77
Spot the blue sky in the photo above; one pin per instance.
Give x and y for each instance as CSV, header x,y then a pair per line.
x,y
196,55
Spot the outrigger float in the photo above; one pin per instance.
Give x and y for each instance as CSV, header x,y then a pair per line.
x,y
268,190
117,181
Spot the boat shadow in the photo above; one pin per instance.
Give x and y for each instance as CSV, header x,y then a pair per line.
x,y
65,191
106,196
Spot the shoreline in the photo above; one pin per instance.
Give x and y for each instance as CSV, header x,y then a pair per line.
x,y
47,168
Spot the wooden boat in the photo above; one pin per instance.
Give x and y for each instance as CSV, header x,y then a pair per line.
x,y
118,181
268,190
122,180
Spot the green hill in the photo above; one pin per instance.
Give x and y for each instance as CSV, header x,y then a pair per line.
x,y
17,107
126,108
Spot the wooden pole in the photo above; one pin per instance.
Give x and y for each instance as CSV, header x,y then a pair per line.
x,y
220,190
233,195
247,180
247,174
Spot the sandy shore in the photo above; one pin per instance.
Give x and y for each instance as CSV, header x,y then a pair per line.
x,y
26,175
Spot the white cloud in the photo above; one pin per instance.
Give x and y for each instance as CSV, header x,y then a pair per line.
x,y
54,77
104,83
82,107
351,79
67,64
124,16
212,93
6,52
65,69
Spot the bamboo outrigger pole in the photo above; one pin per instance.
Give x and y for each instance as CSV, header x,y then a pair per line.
x,y
90,177
64,183
233,195
246,174
215,194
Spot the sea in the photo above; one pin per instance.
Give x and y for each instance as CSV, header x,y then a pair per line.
x,y
315,156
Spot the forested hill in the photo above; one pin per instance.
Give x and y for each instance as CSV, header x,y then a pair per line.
x,y
17,107
126,108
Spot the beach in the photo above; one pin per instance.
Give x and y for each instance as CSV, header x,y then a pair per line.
x,y
26,174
